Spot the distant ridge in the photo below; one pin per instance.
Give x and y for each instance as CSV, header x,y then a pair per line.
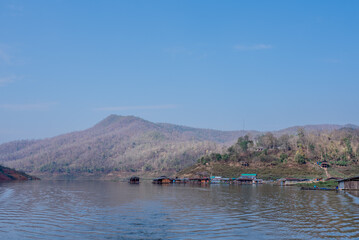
x,y
311,128
352,126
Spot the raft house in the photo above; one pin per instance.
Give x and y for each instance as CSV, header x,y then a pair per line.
x,y
134,180
221,180
180,180
349,184
245,178
199,180
248,178
292,181
162,180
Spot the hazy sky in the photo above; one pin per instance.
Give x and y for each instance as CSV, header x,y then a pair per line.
x,y
65,65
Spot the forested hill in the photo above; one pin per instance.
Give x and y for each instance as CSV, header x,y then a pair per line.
x,y
317,152
116,144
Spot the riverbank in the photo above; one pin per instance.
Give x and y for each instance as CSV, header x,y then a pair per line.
x,y
325,184
263,170
9,174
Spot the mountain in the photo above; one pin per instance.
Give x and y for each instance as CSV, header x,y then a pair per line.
x,y
125,145
8,174
121,144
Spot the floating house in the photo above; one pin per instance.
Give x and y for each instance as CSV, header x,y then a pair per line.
x,y
292,181
247,178
349,183
162,180
244,181
216,179
227,180
181,180
199,180
134,180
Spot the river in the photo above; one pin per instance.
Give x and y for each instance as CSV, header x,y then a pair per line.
x,y
117,210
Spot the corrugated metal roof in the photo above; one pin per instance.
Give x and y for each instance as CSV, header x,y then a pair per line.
x,y
348,179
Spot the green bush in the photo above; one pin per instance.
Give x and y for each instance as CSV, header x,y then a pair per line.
x,y
267,158
300,158
342,163
283,157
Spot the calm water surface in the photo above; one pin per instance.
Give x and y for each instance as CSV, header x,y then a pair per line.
x,y
112,210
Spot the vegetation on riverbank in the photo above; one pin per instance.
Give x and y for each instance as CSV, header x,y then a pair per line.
x,y
263,171
326,184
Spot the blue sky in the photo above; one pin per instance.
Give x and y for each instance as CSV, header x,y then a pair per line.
x,y
65,65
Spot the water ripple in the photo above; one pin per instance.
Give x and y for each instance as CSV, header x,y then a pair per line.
x,y
109,210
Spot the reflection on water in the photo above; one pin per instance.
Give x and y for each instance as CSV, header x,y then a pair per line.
x,y
110,210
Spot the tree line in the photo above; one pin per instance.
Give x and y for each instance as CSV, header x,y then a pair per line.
x,y
338,148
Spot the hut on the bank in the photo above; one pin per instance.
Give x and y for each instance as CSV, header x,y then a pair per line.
x,y
324,164
245,164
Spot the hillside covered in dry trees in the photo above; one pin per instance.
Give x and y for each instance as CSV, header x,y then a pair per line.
x,y
118,144
309,152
